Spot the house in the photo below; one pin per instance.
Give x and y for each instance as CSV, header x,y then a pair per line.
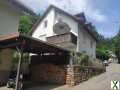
x,y
10,12
65,30
112,57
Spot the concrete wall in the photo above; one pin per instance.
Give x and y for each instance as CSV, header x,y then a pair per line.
x,y
5,64
9,18
87,43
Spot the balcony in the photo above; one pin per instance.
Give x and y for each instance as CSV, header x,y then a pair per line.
x,y
63,40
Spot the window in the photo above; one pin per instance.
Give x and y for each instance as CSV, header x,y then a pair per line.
x,y
45,23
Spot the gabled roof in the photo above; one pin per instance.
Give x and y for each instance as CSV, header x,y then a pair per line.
x,y
20,6
63,12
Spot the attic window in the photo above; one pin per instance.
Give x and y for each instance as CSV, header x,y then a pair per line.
x,y
45,23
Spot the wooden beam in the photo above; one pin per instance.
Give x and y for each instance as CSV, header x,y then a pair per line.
x,y
10,45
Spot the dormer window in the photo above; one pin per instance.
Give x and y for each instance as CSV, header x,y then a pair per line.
x,y
45,23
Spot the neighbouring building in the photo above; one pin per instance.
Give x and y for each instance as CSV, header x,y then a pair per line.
x,y
10,12
112,57
68,31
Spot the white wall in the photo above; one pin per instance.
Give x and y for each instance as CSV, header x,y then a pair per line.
x,y
41,32
85,39
71,22
9,19
85,43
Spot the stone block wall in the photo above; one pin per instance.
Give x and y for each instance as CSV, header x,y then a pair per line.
x,y
77,74
48,73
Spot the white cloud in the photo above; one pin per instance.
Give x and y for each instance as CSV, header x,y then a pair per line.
x,y
71,6
96,15
77,6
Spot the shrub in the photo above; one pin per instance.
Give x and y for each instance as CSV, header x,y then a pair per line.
x,y
82,59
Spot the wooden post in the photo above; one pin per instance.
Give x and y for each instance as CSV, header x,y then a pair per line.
x,y
19,68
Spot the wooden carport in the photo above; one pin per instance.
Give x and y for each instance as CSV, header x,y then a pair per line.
x,y
28,44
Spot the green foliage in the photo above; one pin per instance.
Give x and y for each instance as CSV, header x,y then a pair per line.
x,y
102,54
82,59
16,57
105,43
26,23
103,46
116,40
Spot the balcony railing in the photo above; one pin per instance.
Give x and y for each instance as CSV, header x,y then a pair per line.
x,y
63,38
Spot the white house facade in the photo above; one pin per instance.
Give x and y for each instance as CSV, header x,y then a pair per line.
x,y
62,29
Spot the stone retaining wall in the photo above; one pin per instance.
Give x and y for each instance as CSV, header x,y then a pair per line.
x,y
77,74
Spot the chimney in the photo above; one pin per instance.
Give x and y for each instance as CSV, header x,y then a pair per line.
x,y
81,17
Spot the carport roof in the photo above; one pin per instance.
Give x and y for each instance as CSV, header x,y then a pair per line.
x,y
29,44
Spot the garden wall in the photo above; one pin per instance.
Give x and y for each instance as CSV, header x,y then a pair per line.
x,y
77,74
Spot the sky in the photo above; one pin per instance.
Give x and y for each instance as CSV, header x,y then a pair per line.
x,y
104,14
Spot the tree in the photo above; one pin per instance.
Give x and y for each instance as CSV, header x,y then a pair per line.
x,y
102,54
26,23
104,45
117,46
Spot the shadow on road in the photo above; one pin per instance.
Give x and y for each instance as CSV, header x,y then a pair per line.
x,y
43,86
